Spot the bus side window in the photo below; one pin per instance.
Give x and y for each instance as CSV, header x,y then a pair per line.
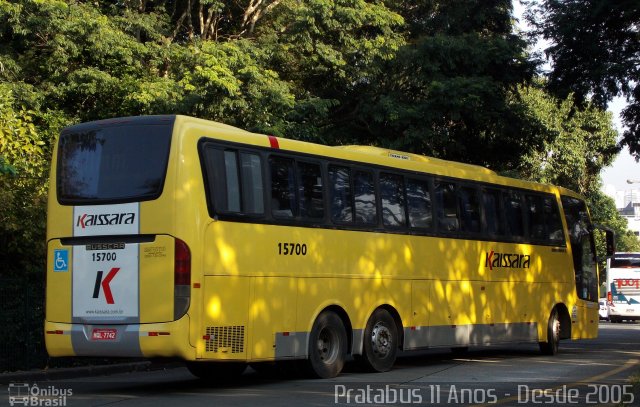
x,y
392,197
555,233
310,191
341,199
283,188
536,218
365,198
252,187
446,206
419,204
232,179
513,213
492,212
469,209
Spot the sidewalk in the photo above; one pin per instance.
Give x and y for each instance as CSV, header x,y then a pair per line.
x,y
74,372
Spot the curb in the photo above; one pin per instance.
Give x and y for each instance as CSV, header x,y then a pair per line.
x,y
73,372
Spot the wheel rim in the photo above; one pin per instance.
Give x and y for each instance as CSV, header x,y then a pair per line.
x,y
381,340
327,345
555,330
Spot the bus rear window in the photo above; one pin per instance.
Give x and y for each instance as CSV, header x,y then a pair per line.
x,y
626,261
117,163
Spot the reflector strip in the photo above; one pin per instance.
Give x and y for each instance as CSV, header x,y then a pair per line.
x,y
157,333
274,142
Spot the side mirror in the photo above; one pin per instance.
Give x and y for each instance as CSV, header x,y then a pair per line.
x,y
610,239
611,242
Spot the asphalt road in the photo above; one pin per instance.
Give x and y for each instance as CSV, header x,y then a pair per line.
x,y
584,373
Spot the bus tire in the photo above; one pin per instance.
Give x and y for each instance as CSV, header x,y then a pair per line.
x,y
550,347
216,370
381,341
327,346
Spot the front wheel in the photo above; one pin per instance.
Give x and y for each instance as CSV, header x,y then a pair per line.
x,y
381,342
327,346
550,347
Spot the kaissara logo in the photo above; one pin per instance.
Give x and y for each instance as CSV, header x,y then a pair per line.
x,y
507,260
105,219
104,284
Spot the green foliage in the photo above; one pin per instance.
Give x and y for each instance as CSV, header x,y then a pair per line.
x,y
228,82
579,142
22,189
20,143
604,212
332,52
6,168
445,92
595,49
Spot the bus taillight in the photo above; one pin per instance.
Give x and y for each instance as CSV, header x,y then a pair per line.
x,y
182,279
182,267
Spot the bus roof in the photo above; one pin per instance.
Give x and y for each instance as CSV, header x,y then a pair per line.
x,y
367,154
379,156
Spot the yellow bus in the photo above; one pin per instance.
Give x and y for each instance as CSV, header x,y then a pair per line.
x,y
170,236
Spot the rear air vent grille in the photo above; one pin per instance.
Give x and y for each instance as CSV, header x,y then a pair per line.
x,y
225,339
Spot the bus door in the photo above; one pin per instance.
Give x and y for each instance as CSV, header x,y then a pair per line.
x,y
585,267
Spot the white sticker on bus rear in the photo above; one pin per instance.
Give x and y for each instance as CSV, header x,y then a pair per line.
x,y
105,282
121,219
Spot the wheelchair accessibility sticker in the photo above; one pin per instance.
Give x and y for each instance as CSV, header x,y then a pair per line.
x,y
61,260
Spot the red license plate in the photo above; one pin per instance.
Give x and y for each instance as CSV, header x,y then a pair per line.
x,y
103,334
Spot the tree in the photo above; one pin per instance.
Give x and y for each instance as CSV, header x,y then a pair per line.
x,y
332,52
228,82
23,165
446,91
580,141
595,54
604,212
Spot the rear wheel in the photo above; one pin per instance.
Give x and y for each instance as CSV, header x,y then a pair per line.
x,y
327,346
380,342
216,370
550,347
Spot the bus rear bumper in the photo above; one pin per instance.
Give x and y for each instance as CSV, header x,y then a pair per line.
x,y
621,314
167,339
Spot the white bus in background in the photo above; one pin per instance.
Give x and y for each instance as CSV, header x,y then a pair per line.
x,y
623,287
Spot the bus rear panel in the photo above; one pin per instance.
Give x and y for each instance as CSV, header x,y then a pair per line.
x,y
118,279
623,287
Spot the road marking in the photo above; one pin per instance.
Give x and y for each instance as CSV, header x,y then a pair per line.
x,y
628,365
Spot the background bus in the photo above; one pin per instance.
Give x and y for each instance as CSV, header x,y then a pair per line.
x,y
170,236
623,287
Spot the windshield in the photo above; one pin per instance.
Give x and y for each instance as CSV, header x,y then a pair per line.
x,y
107,163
